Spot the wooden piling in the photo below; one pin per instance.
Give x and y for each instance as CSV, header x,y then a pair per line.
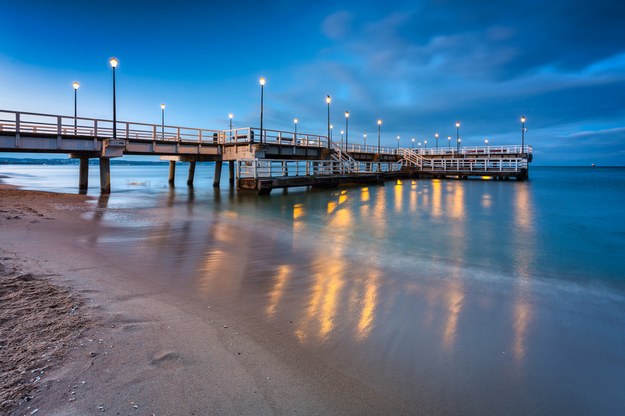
x,y
191,173
217,176
231,172
83,175
105,175
172,172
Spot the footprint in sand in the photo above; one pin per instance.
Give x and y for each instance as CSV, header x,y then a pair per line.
x,y
166,360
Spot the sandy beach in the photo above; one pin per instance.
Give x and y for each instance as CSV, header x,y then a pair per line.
x,y
139,349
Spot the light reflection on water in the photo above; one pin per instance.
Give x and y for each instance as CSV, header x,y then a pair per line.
x,y
408,277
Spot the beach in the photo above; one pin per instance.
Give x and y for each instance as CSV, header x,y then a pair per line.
x,y
193,304
147,351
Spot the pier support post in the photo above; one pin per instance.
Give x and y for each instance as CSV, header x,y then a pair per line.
x,y
172,171
83,175
217,176
105,175
231,172
191,173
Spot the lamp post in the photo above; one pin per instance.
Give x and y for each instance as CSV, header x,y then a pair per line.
x,y
341,146
364,136
331,131
76,85
114,62
162,121
485,142
230,117
449,141
346,129
425,142
436,136
379,130
457,135
413,143
522,133
458,146
328,101
398,142
295,121
262,97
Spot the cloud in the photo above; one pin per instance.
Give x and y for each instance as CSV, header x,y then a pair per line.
x,y
337,25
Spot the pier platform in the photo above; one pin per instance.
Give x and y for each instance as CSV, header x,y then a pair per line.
x,y
258,161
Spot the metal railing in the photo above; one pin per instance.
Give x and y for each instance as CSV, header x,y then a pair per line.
x,y
273,168
252,135
361,148
474,150
475,165
36,123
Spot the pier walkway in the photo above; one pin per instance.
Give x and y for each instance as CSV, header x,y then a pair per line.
x,y
275,159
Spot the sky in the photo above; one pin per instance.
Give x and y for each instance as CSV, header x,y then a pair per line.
x,y
420,66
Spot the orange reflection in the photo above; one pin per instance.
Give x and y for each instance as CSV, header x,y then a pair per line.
x,y
284,273
522,315
369,304
398,195
364,194
455,301
298,211
457,202
523,206
437,198
329,279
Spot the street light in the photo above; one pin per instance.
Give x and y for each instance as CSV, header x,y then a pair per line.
x,y
457,135
413,143
114,62
162,121
364,135
522,133
328,101
230,117
379,129
485,142
295,121
76,85
262,97
331,131
398,142
425,143
449,141
458,146
346,129
341,147
436,135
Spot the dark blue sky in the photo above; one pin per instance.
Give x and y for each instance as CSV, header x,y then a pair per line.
x,y
418,65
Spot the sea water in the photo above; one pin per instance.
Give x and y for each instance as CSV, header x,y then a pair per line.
x,y
470,295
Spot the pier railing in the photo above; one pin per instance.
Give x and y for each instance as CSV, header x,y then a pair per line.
x,y
475,150
272,168
475,165
19,122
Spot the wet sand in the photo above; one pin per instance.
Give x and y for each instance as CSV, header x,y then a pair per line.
x,y
151,351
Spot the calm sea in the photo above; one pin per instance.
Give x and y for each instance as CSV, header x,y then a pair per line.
x,y
473,296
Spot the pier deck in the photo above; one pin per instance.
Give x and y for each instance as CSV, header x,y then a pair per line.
x,y
258,162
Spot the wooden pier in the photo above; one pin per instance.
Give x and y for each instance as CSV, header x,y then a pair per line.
x,y
256,162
